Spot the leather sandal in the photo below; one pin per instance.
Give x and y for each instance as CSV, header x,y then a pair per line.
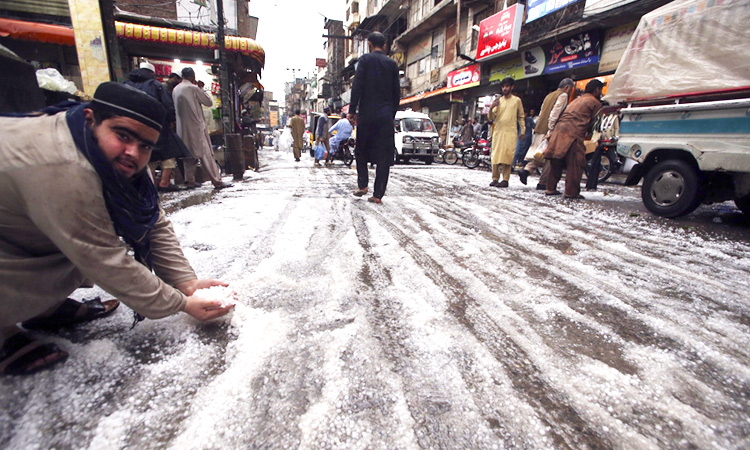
x,y
23,355
72,312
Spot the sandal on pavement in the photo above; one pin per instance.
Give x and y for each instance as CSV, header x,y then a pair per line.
x,y
576,197
23,355
360,192
72,312
555,192
375,200
222,186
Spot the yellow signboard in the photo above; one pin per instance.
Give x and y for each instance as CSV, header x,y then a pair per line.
x,y
90,45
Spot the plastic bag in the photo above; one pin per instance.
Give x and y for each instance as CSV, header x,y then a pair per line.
x,y
52,80
539,151
320,151
286,140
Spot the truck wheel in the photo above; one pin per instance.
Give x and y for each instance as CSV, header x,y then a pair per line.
x,y
671,189
396,158
743,204
429,160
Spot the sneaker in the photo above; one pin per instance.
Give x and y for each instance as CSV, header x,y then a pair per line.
x,y
495,183
530,58
523,174
503,184
528,69
375,200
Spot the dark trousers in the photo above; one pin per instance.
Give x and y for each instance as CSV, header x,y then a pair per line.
x,y
592,178
375,145
574,161
382,172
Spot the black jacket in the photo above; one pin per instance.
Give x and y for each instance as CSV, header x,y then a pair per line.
x,y
376,92
144,80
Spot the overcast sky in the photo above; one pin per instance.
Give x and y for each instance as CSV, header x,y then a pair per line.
x,y
290,32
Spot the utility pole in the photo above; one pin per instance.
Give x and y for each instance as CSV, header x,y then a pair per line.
x,y
227,112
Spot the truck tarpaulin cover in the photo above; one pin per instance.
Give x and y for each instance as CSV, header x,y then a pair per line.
x,y
684,47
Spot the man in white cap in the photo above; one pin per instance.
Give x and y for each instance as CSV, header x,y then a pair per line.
x,y
58,236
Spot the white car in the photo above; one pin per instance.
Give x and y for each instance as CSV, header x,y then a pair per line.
x,y
416,137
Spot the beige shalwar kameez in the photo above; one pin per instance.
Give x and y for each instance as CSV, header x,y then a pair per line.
x,y
506,119
56,234
191,127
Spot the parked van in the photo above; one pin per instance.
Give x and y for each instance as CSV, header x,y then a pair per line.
x,y
416,137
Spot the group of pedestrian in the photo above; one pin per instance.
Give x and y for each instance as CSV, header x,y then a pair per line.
x,y
558,139
185,135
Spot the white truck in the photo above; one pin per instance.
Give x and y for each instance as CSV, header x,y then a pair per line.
x,y
684,84
416,137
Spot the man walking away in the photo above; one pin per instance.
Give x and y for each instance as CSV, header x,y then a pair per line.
x,y
191,127
375,97
506,114
552,108
56,237
566,147
321,132
297,124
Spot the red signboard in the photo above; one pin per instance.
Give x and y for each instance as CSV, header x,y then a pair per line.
x,y
463,78
500,33
320,62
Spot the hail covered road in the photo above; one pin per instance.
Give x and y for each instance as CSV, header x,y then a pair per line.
x,y
453,316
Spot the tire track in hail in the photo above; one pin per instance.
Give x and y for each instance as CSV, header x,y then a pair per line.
x,y
628,328
433,416
567,428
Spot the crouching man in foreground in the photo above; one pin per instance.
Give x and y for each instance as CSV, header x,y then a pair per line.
x,y
72,183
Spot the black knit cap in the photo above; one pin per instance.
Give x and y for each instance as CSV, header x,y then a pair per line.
x,y
123,100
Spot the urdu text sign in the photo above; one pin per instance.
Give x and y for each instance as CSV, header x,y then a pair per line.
x,y
500,33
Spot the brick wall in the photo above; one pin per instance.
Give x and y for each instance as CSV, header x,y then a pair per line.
x,y
154,8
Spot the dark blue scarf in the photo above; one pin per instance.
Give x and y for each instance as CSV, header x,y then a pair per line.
x,y
133,204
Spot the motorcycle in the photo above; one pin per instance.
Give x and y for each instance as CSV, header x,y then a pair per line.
x,y
447,156
476,154
344,153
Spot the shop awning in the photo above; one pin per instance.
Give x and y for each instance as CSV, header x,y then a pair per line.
x,y
422,96
189,38
40,32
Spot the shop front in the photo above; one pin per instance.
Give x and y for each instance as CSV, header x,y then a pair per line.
x,y
171,50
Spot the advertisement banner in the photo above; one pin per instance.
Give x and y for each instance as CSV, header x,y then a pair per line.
x,y
540,8
529,63
578,50
500,33
464,78
320,62
615,42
